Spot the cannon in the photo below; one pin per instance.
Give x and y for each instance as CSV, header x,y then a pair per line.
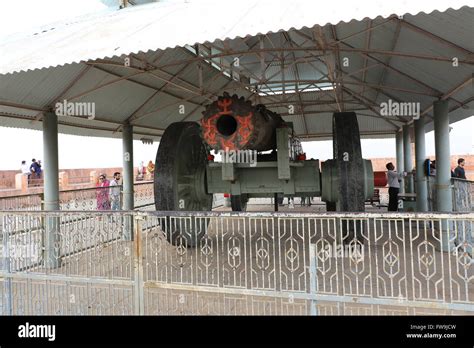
x,y
266,160
231,123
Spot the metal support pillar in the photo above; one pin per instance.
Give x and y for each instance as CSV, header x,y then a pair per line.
x,y
420,154
444,201
51,190
128,199
407,159
399,166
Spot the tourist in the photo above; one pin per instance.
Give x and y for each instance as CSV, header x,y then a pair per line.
x,y
115,191
35,170
102,193
39,170
393,179
433,168
25,170
459,170
150,169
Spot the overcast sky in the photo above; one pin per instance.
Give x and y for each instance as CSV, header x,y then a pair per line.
x,y
83,152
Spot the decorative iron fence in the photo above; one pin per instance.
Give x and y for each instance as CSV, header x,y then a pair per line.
x,y
462,194
240,263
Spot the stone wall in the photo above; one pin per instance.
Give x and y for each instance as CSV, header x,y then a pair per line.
x,y
13,183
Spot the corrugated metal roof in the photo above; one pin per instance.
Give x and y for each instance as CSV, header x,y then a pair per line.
x,y
88,55
149,27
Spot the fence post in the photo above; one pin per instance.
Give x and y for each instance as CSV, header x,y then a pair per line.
x,y
138,265
8,309
51,228
313,277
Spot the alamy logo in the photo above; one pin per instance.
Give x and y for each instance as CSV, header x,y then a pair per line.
x,y
239,156
393,108
66,108
37,331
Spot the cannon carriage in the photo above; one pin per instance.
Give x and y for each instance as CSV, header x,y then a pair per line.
x,y
266,160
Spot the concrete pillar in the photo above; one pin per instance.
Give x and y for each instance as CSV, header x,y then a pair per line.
x,y
420,156
128,203
399,166
127,142
50,153
51,189
444,201
443,162
407,159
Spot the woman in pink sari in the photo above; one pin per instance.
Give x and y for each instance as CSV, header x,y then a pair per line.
x,y
102,193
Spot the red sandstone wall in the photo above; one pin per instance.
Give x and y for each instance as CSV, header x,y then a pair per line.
x,y
78,178
7,178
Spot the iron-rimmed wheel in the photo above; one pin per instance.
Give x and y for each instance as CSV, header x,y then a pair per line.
x,y
180,182
349,163
239,202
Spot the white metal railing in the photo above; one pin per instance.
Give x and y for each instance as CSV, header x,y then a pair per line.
x,y
462,194
243,263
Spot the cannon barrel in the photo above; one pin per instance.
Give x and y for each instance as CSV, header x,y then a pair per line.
x,y
232,123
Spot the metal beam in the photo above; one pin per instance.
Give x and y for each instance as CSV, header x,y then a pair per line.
x,y
450,93
367,102
368,30
141,83
70,124
322,43
348,48
305,124
367,46
57,98
435,37
396,36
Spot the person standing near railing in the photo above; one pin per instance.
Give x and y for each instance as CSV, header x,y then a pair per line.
x,y
393,179
433,168
35,169
150,168
102,193
459,171
115,191
25,170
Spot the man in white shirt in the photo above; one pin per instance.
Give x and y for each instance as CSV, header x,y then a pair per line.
x,y
25,168
393,179
115,191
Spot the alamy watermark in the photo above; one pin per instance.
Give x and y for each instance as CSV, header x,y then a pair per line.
x,y
28,330
394,108
78,109
239,156
354,251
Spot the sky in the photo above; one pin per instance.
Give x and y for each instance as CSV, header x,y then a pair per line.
x,y
92,152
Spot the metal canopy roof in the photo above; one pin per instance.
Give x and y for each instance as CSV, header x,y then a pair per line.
x,y
305,74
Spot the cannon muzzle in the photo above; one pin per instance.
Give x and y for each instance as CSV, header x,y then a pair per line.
x,y
232,123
